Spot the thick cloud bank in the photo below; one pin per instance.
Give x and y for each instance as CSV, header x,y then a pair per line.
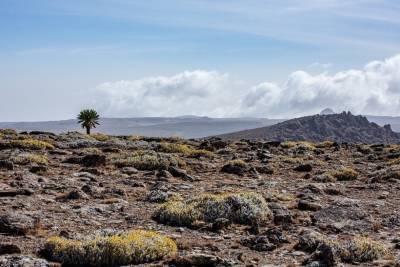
x,y
375,89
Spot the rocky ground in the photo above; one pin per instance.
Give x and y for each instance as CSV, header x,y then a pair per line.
x,y
242,203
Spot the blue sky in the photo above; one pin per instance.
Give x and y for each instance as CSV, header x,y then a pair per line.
x,y
54,54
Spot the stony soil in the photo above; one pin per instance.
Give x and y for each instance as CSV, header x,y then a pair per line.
x,y
77,194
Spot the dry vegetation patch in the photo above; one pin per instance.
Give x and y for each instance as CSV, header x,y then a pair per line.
x,y
133,247
242,208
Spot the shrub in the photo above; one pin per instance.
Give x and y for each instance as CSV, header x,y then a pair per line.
x,y
100,137
135,247
32,144
149,161
238,163
344,174
355,249
185,150
302,145
290,160
91,150
363,249
325,144
30,158
243,208
201,153
8,132
174,148
394,161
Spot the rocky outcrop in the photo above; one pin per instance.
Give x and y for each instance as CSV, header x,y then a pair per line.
x,y
343,127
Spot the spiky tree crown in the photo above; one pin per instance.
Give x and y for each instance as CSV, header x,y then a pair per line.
x,y
88,118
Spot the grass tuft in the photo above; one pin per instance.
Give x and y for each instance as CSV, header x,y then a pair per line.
x,y
28,144
344,174
243,208
135,247
30,158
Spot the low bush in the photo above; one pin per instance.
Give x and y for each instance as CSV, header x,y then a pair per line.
x,y
325,144
100,137
344,174
148,161
29,144
8,132
30,158
352,250
363,249
185,150
135,247
301,145
242,208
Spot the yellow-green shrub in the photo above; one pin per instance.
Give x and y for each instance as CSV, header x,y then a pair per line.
x,y
201,153
100,137
301,144
143,160
30,158
238,163
26,144
325,144
290,160
243,208
135,247
344,174
352,250
174,148
8,132
363,249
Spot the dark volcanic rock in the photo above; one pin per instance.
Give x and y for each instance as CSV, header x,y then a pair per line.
x,y
343,127
6,164
17,224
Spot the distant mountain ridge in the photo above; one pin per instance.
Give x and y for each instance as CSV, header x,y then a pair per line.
x,y
183,126
343,127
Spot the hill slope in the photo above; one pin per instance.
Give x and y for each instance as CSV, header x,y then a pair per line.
x,y
343,127
185,126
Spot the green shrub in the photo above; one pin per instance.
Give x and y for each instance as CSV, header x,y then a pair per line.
x,y
148,161
100,137
353,250
243,208
8,132
201,153
174,148
238,163
363,249
301,144
29,144
30,158
185,150
135,247
325,144
344,174
290,160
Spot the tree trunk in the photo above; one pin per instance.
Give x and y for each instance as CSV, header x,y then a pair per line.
x,y
88,130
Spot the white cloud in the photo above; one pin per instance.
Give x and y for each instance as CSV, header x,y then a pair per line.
x,y
188,93
374,89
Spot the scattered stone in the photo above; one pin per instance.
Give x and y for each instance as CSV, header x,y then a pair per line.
x,y
307,205
22,261
303,168
7,248
199,260
176,172
7,165
17,224
17,192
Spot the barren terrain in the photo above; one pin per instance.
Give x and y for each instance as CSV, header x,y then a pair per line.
x,y
223,203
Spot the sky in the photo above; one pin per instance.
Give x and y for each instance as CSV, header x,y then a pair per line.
x,y
218,58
